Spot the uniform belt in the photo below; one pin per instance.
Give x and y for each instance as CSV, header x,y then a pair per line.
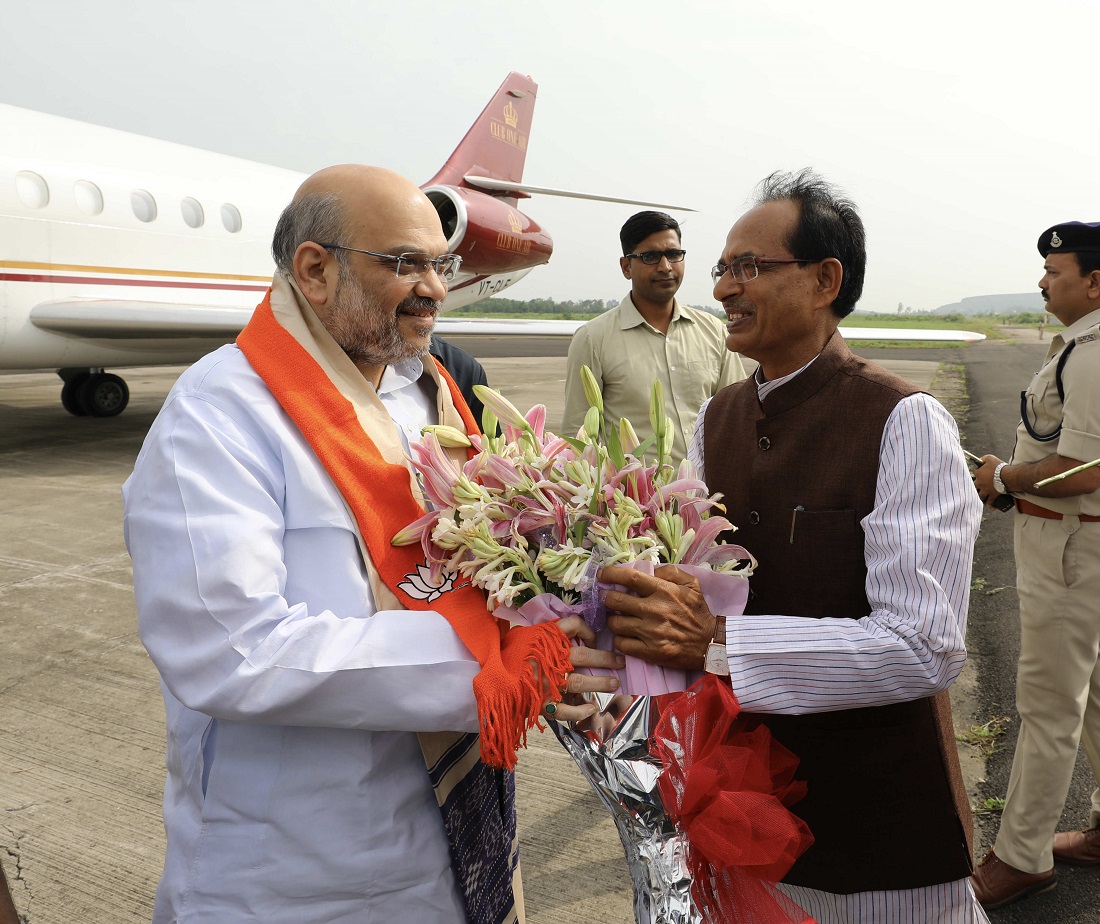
x,y
1026,506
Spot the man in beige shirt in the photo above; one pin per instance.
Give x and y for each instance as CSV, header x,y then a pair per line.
x,y
1057,539
650,335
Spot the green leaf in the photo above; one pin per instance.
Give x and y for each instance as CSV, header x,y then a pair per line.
x,y
615,449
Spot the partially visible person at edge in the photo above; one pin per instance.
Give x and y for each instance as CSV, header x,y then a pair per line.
x,y
1057,543
464,369
8,914
650,335
330,710
849,487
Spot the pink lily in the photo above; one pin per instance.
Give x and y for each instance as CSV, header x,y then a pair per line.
x,y
706,534
679,489
438,470
417,529
723,554
536,417
499,473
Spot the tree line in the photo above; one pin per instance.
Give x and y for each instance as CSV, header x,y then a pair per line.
x,y
516,308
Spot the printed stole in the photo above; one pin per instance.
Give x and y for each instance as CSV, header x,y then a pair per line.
x,y
470,773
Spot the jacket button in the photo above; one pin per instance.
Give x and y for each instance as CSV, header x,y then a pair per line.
x,y
754,517
764,443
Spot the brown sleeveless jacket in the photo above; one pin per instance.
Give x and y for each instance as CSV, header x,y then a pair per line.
x,y
885,800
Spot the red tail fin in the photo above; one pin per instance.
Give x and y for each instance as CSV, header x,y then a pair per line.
x,y
496,144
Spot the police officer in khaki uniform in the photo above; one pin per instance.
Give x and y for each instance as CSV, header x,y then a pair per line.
x,y
1057,537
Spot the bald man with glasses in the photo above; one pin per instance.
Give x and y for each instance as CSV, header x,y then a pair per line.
x,y
332,752
650,335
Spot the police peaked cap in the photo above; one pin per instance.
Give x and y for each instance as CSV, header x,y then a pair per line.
x,y
1071,237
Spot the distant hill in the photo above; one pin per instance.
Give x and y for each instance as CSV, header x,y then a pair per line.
x,y
996,304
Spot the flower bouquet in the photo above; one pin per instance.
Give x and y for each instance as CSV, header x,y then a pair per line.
x,y
531,517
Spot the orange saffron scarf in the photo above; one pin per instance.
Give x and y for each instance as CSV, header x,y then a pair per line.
x,y
509,687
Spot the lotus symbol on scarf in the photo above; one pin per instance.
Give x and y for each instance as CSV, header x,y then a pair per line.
x,y
421,585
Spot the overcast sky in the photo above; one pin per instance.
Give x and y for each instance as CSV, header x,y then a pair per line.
x,y
961,129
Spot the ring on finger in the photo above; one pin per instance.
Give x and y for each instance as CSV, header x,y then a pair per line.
x,y
550,709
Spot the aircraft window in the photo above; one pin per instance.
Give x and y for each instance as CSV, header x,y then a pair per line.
x,y
88,197
143,204
32,189
231,218
192,212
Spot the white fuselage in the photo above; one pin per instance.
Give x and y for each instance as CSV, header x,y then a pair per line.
x,y
122,250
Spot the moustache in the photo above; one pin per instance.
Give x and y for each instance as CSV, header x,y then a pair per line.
x,y
421,302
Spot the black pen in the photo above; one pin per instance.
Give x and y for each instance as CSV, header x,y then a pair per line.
x,y
794,513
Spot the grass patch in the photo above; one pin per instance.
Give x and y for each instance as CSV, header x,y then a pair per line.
x,y
992,806
981,586
987,737
950,388
857,345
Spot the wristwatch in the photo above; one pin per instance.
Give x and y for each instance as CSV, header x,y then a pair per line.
x,y
717,661
998,485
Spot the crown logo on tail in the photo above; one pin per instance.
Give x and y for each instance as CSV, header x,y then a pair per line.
x,y
511,116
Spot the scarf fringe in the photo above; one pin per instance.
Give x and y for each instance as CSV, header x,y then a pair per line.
x,y
510,694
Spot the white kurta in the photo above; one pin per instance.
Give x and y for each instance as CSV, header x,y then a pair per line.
x,y
296,788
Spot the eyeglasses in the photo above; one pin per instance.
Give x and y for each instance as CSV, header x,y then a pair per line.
x,y
653,257
412,265
746,269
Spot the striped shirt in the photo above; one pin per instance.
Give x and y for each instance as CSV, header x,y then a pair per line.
x,y
919,550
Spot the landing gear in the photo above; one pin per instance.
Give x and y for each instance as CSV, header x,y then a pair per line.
x,y
93,393
70,391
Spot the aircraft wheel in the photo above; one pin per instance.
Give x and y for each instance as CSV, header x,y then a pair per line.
x,y
70,394
103,395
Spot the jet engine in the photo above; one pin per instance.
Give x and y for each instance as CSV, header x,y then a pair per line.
x,y
489,235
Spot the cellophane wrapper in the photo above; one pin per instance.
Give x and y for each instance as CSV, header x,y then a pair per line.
x,y
669,776
633,755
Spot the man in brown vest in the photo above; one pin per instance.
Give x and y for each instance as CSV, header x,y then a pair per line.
x,y
849,487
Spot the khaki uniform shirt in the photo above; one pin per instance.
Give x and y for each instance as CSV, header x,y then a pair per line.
x,y
1079,416
626,354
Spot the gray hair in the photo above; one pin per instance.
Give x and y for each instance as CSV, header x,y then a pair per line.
x,y
317,217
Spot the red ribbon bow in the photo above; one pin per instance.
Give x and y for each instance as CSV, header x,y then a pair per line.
x,y
727,787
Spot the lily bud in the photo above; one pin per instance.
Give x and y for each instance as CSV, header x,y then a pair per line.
x,y
657,409
591,389
666,439
592,422
628,439
449,437
506,412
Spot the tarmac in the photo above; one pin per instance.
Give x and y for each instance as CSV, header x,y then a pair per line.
x,y
81,717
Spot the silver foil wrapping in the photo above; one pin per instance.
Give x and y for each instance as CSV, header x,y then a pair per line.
x,y
612,752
